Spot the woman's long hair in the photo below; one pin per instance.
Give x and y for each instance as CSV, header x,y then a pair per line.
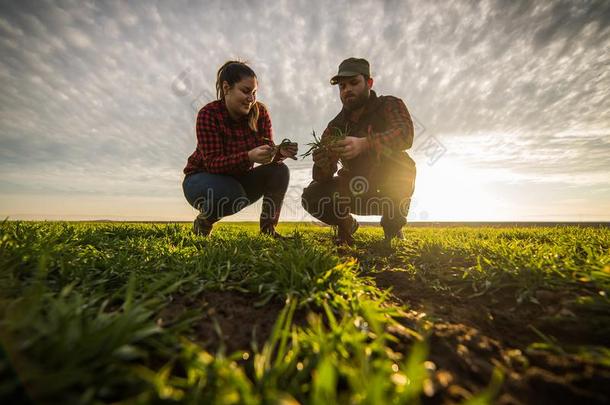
x,y
233,72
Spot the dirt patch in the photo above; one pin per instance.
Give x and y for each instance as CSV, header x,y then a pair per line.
x,y
470,336
497,314
230,320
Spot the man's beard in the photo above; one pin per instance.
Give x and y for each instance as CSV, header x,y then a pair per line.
x,y
357,103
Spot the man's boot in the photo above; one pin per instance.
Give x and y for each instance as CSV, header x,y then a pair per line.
x,y
345,231
393,228
391,234
269,229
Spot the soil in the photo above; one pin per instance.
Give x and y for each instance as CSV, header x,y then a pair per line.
x,y
470,336
230,320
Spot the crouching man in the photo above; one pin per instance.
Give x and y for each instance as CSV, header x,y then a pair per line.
x,y
369,138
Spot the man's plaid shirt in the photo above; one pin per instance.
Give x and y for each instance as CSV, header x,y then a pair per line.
x,y
386,147
223,143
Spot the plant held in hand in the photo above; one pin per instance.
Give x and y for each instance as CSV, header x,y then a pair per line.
x,y
327,143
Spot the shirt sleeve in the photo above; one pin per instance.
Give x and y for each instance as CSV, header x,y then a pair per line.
x,y
324,173
400,132
209,144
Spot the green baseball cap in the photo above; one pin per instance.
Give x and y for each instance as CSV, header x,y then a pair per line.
x,y
352,67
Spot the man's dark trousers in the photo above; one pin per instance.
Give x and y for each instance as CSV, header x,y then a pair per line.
x,y
332,201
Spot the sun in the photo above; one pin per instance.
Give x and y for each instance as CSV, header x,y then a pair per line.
x,y
450,191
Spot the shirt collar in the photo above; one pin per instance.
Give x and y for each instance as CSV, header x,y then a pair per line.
x,y
227,117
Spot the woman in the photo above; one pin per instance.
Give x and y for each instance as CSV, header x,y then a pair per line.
x,y
233,133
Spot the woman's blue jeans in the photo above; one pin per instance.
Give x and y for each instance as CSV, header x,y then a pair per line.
x,y
219,195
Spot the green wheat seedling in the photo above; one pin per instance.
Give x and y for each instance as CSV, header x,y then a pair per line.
x,y
285,142
327,143
105,312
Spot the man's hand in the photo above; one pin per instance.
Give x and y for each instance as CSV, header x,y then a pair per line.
x,y
261,154
322,158
350,147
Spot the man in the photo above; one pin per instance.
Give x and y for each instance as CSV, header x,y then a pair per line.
x,y
377,176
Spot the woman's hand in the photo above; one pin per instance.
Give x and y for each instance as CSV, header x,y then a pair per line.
x,y
261,154
288,150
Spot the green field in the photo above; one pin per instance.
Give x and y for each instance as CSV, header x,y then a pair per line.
x,y
139,313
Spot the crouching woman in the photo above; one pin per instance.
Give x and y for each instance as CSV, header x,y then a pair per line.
x,y
233,133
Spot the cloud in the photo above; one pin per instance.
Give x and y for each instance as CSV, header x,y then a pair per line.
x,y
98,96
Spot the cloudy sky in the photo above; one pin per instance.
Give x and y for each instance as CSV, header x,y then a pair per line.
x,y
511,98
